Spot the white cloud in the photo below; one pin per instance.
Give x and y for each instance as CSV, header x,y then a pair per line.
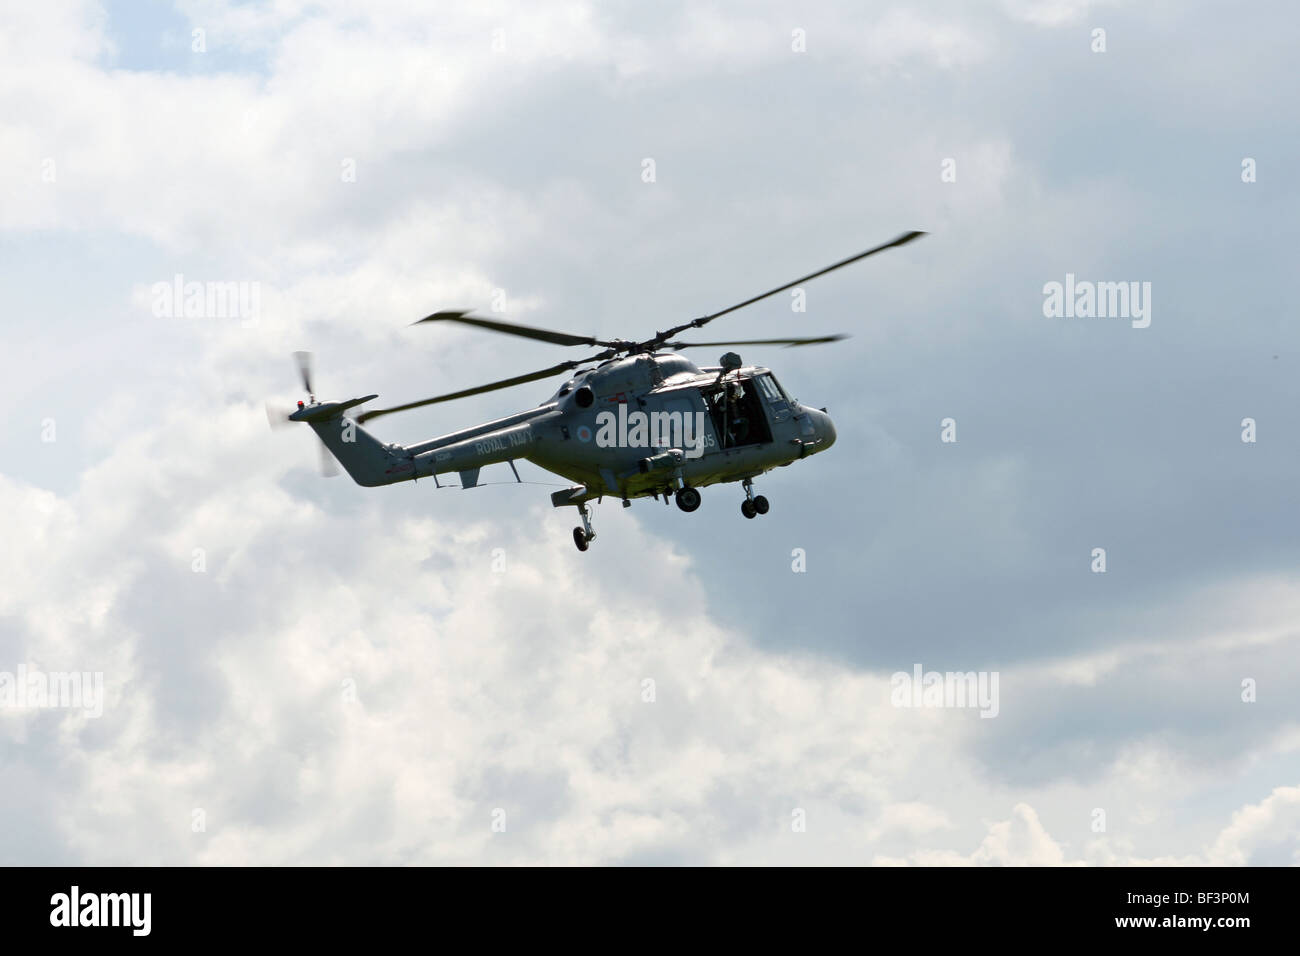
x,y
1272,823
1051,13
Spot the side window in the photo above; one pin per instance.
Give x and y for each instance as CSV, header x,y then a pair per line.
x,y
770,389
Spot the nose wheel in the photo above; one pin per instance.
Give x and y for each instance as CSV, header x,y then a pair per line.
x,y
753,504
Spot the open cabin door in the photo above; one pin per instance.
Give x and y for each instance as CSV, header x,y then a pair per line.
x,y
737,413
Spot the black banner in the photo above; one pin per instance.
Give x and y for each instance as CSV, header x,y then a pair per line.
x,y
925,906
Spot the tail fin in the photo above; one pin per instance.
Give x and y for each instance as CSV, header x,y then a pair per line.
x,y
363,456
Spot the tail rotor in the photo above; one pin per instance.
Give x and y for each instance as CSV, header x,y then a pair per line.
x,y
279,417
305,362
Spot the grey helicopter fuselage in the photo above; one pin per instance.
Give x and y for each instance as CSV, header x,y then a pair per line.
x,y
638,420
633,426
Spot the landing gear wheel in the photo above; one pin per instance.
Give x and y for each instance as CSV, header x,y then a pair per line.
x,y
582,537
747,508
688,499
760,504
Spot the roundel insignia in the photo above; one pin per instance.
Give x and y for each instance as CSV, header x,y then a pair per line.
x,y
584,433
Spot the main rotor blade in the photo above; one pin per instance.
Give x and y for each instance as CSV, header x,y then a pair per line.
x,y
304,360
901,240
786,342
511,328
465,393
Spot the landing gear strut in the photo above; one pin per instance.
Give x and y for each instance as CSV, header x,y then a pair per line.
x,y
753,504
688,499
582,537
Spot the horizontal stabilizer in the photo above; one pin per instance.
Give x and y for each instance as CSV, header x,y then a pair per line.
x,y
324,411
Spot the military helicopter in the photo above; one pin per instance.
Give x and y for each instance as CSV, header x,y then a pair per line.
x,y
631,421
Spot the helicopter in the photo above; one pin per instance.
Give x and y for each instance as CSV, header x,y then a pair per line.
x,y
634,420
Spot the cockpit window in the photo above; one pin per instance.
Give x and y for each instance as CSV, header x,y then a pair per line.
x,y
771,390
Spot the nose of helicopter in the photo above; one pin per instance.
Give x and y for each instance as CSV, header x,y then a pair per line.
x,y
825,428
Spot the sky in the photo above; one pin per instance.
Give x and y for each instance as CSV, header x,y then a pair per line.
x,y
297,670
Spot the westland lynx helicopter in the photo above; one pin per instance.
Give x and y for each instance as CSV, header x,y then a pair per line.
x,y
632,421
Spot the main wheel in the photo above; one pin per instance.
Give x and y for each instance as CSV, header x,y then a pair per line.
x,y
688,499
747,508
760,504
580,539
